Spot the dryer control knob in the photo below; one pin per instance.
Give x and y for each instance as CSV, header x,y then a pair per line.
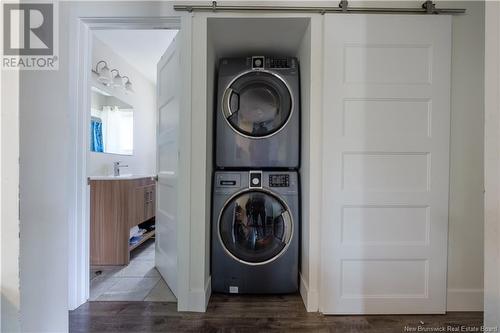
x,y
255,179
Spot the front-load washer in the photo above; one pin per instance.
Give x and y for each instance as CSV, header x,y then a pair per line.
x,y
255,232
257,115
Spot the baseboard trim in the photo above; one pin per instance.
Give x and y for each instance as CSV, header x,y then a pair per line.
x,y
208,291
309,297
464,300
198,298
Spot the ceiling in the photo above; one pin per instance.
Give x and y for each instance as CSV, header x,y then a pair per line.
x,y
142,49
236,37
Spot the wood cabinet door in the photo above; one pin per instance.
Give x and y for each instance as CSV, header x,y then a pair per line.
x,y
149,209
145,197
140,204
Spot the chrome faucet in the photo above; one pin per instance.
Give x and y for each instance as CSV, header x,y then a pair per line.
x,y
116,168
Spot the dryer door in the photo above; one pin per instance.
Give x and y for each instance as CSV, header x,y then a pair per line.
x,y
257,104
255,227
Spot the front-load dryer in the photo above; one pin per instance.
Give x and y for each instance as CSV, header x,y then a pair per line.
x,y
257,116
255,232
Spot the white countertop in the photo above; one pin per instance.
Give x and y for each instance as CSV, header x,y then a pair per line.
x,y
120,177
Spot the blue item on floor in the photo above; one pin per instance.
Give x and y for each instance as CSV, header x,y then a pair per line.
x,y
134,240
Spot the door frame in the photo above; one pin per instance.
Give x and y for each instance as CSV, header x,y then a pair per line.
x,y
80,64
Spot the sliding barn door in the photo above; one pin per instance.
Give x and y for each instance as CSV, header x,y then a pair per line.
x,y
386,129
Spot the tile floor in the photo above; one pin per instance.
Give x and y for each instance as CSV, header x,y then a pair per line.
x,y
139,281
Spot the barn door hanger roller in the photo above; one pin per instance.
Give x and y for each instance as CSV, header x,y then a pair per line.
x,y
428,7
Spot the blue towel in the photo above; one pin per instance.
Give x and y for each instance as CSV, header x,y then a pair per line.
x,y
96,136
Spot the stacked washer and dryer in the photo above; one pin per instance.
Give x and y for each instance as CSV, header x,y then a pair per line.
x,y
255,213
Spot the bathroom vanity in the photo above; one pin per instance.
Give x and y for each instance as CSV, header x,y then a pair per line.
x,y
118,203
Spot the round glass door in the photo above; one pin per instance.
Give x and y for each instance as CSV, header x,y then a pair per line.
x,y
255,227
257,104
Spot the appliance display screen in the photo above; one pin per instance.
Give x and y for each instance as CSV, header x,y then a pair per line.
x,y
279,180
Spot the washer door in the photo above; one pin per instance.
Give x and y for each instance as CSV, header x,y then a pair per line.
x,y
257,104
255,227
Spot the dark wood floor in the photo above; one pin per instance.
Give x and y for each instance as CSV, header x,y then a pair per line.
x,y
247,314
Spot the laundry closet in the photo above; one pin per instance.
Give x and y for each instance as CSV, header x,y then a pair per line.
x,y
374,150
282,42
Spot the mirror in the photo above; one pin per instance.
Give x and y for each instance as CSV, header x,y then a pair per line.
x,y
111,124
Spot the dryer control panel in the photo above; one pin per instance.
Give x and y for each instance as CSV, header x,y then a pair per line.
x,y
279,180
262,62
279,62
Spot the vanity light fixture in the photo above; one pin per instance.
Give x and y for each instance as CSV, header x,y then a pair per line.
x,y
111,78
104,74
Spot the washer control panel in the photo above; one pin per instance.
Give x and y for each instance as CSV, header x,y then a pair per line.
x,y
256,179
279,180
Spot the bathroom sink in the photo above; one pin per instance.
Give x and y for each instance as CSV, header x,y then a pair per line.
x,y
124,176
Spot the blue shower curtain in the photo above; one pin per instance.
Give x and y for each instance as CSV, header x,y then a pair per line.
x,y
96,136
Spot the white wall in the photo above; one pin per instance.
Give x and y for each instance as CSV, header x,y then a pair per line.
x,y
211,89
45,166
143,100
492,167
9,175
200,176
48,170
310,55
466,218
307,206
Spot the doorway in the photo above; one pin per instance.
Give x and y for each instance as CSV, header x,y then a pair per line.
x,y
122,159
139,276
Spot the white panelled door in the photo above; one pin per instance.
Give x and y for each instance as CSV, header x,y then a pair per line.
x,y
386,128
167,159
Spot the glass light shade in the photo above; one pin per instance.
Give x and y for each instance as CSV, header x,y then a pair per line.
x,y
128,86
105,76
